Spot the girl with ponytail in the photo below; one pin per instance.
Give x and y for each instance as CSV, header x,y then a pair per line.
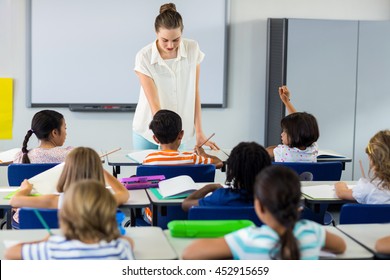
x,y
283,235
50,128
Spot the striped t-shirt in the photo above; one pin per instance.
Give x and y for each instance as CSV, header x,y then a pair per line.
x,y
256,243
170,157
58,248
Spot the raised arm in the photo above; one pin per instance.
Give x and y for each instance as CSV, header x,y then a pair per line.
x,y
150,90
193,199
284,95
121,194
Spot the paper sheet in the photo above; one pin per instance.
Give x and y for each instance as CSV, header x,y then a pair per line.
x,y
46,182
8,156
6,105
321,191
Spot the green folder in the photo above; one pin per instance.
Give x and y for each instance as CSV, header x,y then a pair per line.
x,y
156,192
11,194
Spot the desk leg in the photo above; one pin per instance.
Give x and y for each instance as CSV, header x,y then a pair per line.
x,y
154,215
9,218
116,170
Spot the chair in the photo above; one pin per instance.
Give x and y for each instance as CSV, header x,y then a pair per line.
x,y
224,213
198,172
315,171
17,172
354,213
29,220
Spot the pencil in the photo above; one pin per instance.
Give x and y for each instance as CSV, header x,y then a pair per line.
x,y
43,222
207,140
110,152
361,168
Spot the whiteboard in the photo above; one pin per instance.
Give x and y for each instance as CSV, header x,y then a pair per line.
x,y
83,52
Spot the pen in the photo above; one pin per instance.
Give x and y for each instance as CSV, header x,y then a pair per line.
x,y
43,222
207,140
110,152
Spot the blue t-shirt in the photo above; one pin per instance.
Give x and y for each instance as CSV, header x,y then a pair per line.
x,y
227,197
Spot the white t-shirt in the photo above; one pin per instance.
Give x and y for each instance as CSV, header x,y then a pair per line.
x,y
283,153
368,192
176,85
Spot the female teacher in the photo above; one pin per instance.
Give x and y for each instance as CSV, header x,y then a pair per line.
x,y
168,70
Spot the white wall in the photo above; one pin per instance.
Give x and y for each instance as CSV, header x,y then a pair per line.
x,y
242,120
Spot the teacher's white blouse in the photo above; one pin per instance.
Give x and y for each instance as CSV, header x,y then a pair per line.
x,y
175,85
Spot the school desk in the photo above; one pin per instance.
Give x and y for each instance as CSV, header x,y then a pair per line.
x,y
160,204
120,158
150,242
329,155
353,251
138,199
366,235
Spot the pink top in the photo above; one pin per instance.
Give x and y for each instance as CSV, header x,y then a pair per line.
x,y
45,155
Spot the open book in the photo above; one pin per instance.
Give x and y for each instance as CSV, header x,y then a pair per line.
x,y
177,186
139,156
328,154
8,156
46,182
321,192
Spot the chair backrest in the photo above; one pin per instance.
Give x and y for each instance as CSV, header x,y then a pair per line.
x,y
17,172
354,213
315,171
224,213
198,172
29,220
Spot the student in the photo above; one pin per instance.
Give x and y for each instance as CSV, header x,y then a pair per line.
x,y
168,70
376,189
81,163
382,245
88,223
167,132
246,160
277,201
299,136
50,128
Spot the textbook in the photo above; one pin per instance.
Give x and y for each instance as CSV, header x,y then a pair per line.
x,y
139,156
8,156
328,154
177,186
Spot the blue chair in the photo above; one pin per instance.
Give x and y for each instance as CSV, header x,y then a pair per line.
x,y
224,213
315,171
198,172
17,172
354,213
29,220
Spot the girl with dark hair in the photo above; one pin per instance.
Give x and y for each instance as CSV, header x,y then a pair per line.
x,y
50,128
283,236
246,160
299,135
168,70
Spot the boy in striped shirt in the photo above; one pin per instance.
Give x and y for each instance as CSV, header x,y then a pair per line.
x,y
167,129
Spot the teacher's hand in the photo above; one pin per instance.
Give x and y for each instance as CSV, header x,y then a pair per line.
x,y
200,140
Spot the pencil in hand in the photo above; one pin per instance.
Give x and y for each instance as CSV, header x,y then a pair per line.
x,y
207,140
